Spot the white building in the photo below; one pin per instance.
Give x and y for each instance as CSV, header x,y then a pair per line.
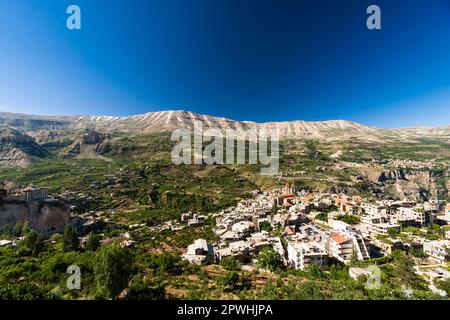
x,y
196,221
438,250
341,247
407,215
238,249
301,255
200,252
242,227
381,228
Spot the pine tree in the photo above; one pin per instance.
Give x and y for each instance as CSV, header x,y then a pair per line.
x,y
70,239
92,242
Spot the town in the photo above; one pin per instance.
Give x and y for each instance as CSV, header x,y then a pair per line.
x,y
317,228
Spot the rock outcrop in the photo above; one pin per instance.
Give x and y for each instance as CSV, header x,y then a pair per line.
x,y
392,175
87,144
18,149
45,216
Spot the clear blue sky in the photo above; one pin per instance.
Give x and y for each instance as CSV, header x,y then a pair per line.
x,y
255,60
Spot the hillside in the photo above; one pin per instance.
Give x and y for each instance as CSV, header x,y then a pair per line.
x,y
339,156
170,120
18,149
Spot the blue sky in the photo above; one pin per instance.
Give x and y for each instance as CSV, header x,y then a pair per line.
x,y
254,60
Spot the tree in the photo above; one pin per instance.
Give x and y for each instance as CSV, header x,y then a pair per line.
x,y
349,219
24,291
230,263
92,242
274,208
354,258
70,239
393,232
405,273
314,272
229,280
265,226
143,289
112,270
32,244
269,259
163,262
444,285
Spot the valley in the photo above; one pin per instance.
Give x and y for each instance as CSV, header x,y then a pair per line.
x,y
116,176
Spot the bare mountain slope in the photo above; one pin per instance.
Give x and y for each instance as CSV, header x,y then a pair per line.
x,y
170,120
17,148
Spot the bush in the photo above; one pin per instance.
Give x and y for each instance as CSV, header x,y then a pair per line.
x,y
230,263
349,219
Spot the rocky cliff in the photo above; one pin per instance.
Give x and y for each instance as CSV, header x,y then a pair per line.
x,y
45,216
17,148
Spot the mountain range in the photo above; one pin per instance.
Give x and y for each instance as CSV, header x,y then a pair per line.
x,y
398,163
169,120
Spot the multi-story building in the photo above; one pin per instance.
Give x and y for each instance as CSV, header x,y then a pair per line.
x,y
381,228
375,210
31,193
438,250
348,207
408,216
301,255
341,247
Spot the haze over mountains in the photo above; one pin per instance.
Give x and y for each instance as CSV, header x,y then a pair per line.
x,y
171,120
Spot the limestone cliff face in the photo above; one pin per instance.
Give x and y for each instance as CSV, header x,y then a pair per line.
x,y
87,144
392,175
44,216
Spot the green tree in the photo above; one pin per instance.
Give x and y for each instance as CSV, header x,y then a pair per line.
x,y
32,244
444,285
24,291
92,242
354,258
393,232
405,272
314,272
230,263
163,262
112,270
265,226
349,219
70,239
143,289
229,280
269,259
